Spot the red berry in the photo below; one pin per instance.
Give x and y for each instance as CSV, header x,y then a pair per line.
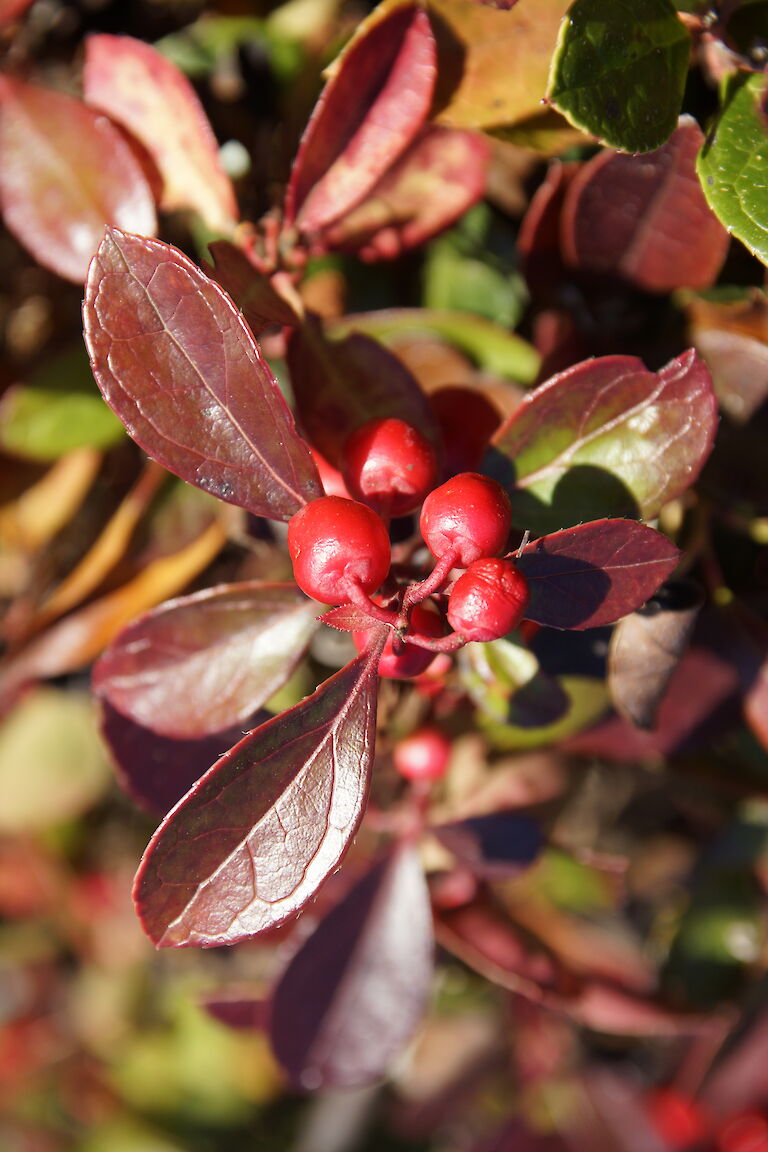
x,y
467,420
469,515
678,1118
410,660
745,1133
423,755
488,600
335,543
390,465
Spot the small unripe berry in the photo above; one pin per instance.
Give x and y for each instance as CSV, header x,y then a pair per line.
x,y
410,660
336,543
470,515
390,465
488,600
423,755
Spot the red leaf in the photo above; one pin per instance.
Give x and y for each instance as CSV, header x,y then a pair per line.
x,y
65,173
10,10
592,575
142,90
177,363
339,384
367,115
250,289
645,218
203,662
607,438
238,1010
439,178
347,618
255,837
539,239
353,995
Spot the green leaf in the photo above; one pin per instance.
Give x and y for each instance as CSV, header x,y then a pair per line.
x,y
619,71
587,701
733,164
58,410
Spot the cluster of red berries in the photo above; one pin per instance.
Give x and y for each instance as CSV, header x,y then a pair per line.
x,y
341,552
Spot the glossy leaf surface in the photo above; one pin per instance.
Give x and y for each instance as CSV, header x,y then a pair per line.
x,y
595,573
142,90
203,662
619,71
355,992
437,179
733,164
645,218
257,835
66,172
370,111
339,384
177,363
606,437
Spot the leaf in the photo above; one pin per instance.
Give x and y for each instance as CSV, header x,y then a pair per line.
x,y
57,410
156,771
369,112
733,164
252,291
238,1009
619,71
440,176
493,65
496,847
66,172
52,765
142,90
646,647
586,701
595,573
177,363
257,835
356,990
606,438
206,661
645,218
347,618
508,686
10,10
539,239
341,383
733,340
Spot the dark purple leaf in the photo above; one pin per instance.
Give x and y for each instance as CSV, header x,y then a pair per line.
x,y
339,384
145,92
251,290
596,573
353,995
176,362
645,218
539,239
369,112
158,770
439,178
259,833
494,847
646,647
66,172
203,662
238,1010
606,438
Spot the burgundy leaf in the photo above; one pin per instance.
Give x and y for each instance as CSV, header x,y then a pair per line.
x,y
65,173
539,239
145,92
251,290
368,114
355,992
348,618
592,575
607,437
177,363
241,1011
645,218
10,10
203,662
495,847
605,1008
257,835
485,939
339,384
434,182
646,647
156,771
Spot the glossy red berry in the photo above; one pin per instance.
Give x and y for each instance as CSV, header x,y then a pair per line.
x,y
336,544
390,465
423,755
488,600
677,1117
470,515
410,660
